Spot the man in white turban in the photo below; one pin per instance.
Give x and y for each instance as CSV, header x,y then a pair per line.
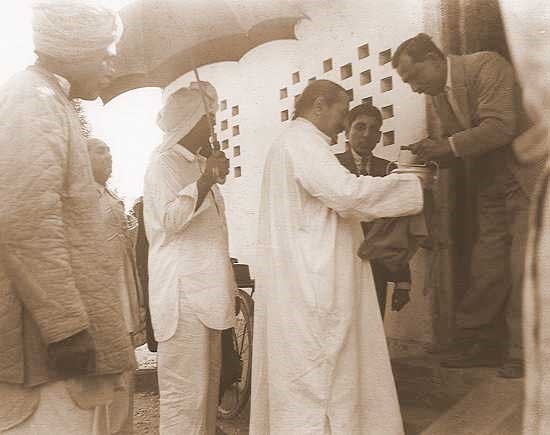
x,y
191,283
64,340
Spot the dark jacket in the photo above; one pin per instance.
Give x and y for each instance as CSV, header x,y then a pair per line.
x,y
378,168
486,99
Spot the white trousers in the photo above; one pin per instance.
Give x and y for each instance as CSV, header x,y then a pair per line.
x,y
188,368
57,413
121,409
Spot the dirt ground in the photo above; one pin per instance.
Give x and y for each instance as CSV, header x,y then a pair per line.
x,y
146,405
146,417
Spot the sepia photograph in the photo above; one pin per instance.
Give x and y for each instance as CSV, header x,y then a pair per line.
x,y
274,217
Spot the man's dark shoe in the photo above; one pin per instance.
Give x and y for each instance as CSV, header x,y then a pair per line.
x,y
477,355
511,369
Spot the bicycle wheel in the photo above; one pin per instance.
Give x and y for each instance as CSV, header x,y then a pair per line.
x,y
236,396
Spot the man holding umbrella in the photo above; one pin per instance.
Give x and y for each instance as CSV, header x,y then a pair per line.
x,y
191,283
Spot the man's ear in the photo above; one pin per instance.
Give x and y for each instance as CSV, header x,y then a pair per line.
x,y
318,105
378,136
431,56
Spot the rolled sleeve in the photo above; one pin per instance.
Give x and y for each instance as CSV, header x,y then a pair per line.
x,y
172,200
366,198
453,146
191,193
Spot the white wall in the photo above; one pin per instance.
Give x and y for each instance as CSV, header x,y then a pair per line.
x,y
335,30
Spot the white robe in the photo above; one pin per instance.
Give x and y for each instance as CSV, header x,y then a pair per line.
x,y
320,359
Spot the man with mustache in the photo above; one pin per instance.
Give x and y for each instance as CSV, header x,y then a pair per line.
x,y
63,335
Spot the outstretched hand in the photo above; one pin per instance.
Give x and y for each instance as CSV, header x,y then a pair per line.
x,y
400,298
430,149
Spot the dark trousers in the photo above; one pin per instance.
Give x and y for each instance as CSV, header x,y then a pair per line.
x,y
381,277
490,311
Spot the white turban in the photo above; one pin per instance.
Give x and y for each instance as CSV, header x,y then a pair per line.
x,y
183,109
72,30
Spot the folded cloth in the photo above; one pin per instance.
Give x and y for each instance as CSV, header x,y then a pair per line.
x,y
393,241
17,404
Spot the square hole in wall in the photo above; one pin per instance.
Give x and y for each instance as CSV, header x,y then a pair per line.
x,y
284,115
235,110
387,112
366,100
386,84
283,93
224,124
296,77
388,138
225,144
223,105
384,57
346,71
350,94
365,77
237,172
236,130
327,65
311,79
363,51
236,151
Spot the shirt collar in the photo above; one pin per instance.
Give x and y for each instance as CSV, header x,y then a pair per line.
x,y
357,157
100,188
448,82
63,84
184,152
61,81
307,123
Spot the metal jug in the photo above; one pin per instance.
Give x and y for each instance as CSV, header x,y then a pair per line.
x,y
409,163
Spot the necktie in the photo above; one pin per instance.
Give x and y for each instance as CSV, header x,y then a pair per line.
x,y
447,114
364,168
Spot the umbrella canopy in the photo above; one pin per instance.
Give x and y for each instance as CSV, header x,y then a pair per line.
x,y
164,39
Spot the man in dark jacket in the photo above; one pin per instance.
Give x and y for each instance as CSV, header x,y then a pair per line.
x,y
478,104
363,133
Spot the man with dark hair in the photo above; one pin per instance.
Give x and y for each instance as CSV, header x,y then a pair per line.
x,y
363,133
330,92
478,103
318,337
417,48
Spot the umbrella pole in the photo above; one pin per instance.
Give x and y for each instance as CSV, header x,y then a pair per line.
x,y
215,143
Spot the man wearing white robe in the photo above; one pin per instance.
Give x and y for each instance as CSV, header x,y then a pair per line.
x,y
320,361
526,30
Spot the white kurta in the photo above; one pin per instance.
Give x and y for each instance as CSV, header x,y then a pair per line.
x,y
320,360
188,247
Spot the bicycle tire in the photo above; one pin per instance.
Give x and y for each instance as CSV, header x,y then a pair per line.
x,y
237,396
